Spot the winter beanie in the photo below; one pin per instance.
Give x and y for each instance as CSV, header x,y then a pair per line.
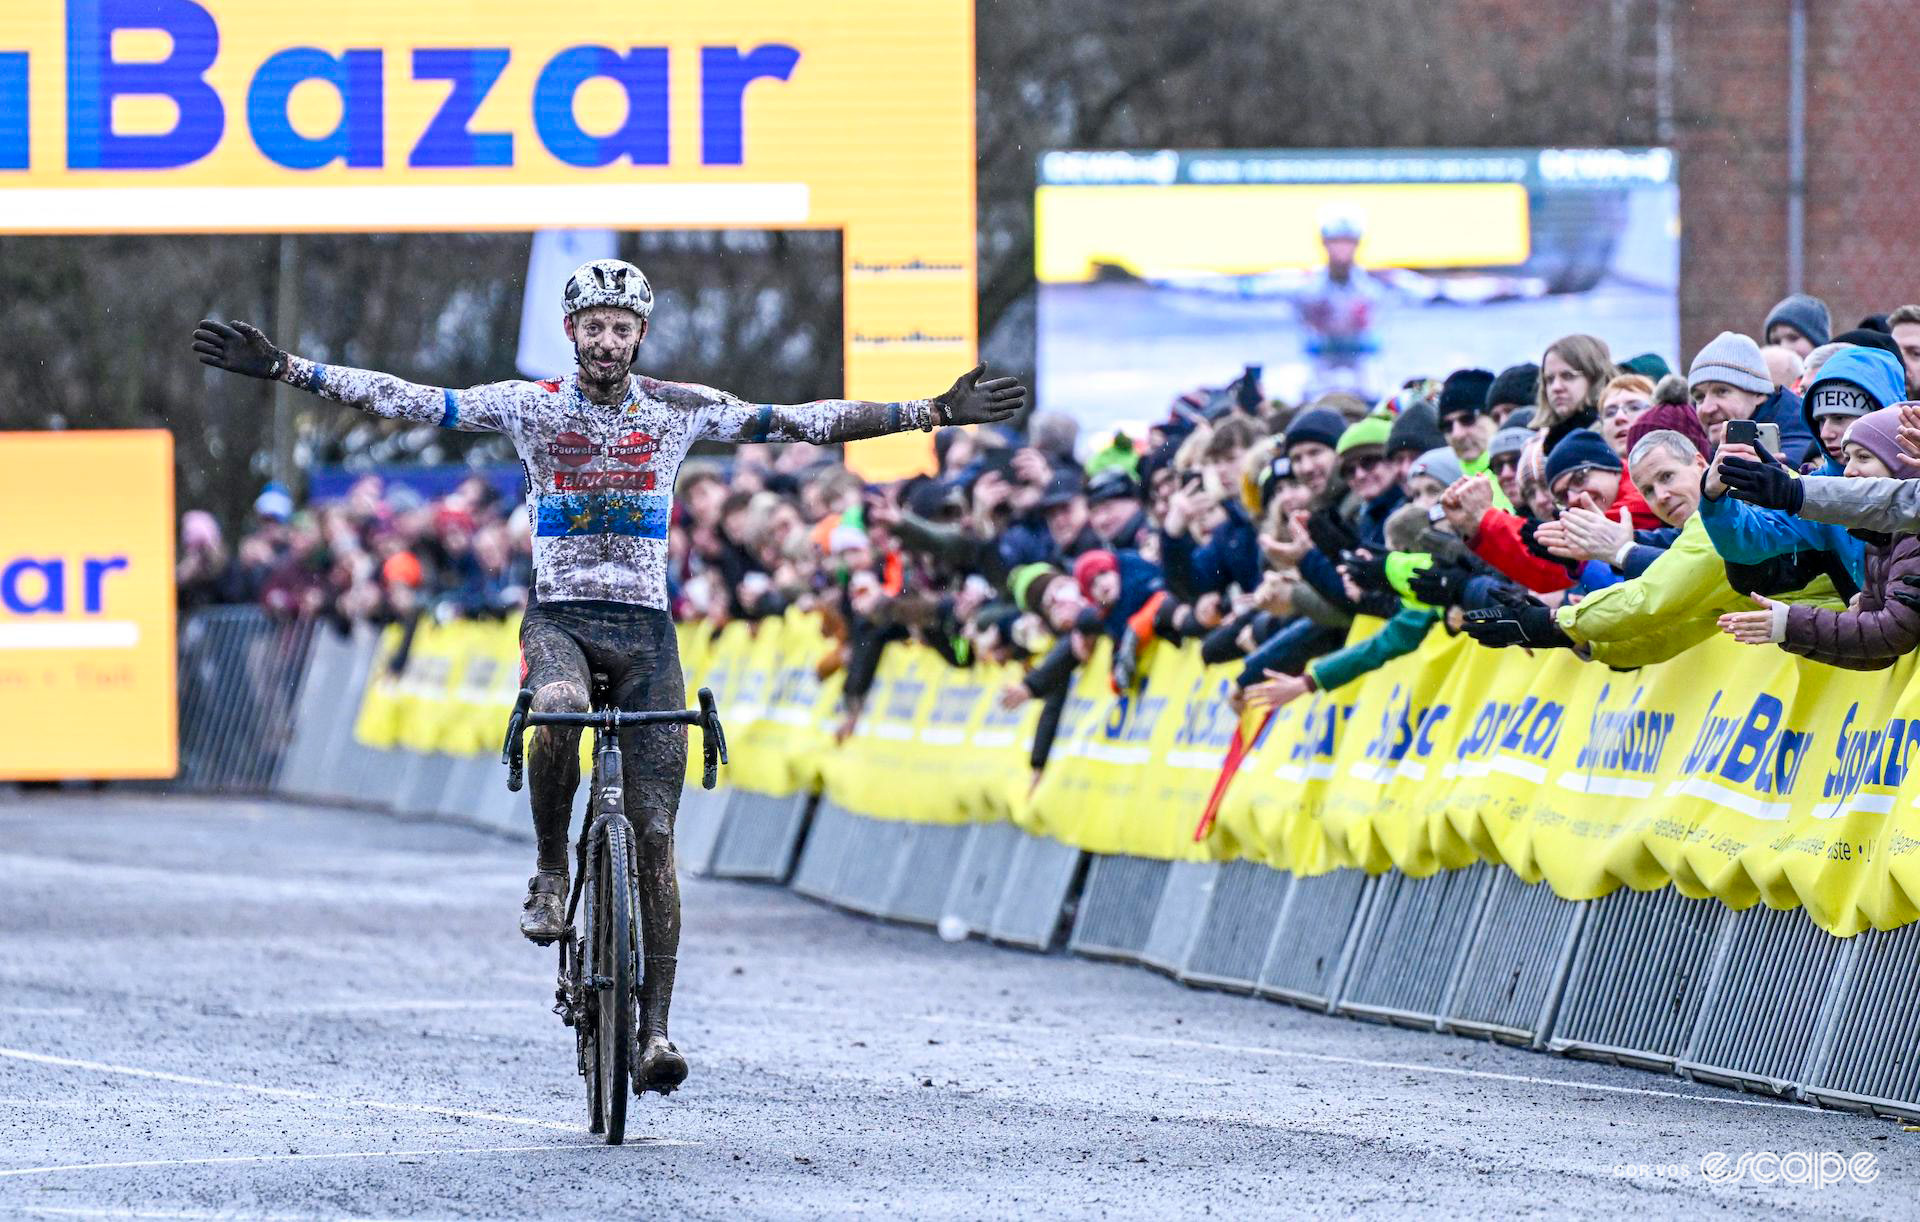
x,y
1414,430
1439,463
1734,359
1879,432
1465,389
1516,384
1371,431
1580,449
1805,314
1320,425
1680,419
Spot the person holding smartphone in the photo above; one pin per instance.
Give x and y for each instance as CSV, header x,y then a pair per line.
x,y
1729,380
1746,533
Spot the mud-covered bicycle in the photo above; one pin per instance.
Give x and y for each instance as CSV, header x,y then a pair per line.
x,y
600,953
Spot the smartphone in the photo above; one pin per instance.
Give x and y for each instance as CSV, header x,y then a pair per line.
x,y
1753,433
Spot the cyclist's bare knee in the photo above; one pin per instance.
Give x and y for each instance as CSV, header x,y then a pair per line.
x,y
560,696
656,832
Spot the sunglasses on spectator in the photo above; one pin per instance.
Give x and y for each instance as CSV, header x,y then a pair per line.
x,y
1465,415
1504,462
1353,467
1636,406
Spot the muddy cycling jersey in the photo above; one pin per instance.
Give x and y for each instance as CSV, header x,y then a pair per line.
x,y
600,478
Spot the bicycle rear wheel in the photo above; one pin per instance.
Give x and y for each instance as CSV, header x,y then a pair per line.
x,y
612,969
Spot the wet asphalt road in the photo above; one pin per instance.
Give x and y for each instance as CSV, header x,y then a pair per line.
x,y
235,1009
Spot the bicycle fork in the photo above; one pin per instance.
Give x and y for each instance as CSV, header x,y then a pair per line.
x,y
606,790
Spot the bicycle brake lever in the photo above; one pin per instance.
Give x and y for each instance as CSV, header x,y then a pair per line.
x,y
713,740
512,752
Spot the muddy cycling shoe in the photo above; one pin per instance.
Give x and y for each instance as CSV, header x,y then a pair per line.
x,y
543,917
660,1068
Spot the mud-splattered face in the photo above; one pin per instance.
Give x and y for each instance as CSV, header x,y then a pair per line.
x,y
605,341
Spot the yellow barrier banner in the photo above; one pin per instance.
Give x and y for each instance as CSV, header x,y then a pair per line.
x,y
1130,772
932,744
1783,783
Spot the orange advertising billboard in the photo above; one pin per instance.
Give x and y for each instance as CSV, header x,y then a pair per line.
x,y
86,605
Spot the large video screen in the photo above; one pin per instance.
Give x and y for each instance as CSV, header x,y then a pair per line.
x,y
1164,272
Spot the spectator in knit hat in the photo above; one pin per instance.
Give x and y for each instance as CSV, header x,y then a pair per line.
x,y
1881,626
1374,481
1115,585
1516,387
1464,420
1309,444
1414,432
1848,385
1431,474
1114,510
1729,381
1503,460
1799,323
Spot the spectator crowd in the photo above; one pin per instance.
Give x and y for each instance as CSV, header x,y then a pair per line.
x,y
1582,500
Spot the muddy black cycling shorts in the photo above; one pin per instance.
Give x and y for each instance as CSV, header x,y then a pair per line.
x,y
635,648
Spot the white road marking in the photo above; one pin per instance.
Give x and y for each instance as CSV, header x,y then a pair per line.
x,y
529,1004
281,1092
228,1159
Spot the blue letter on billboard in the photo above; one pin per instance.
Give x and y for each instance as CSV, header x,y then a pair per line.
x,y
448,141
642,134
52,597
94,79
13,111
724,76
356,139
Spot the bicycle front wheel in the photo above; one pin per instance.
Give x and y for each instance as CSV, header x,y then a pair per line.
x,y
613,972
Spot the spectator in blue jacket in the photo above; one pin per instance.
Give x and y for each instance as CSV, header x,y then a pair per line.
x,y
1747,534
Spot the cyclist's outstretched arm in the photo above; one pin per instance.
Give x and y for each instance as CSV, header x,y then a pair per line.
x,y
969,401
239,347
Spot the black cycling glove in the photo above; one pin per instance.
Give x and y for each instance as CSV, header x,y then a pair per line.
x,y
1532,626
238,348
1367,572
1762,484
1441,585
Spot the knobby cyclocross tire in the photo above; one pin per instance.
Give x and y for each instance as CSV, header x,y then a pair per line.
x,y
612,964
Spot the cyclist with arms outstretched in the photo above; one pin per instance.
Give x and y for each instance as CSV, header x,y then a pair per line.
x,y
601,450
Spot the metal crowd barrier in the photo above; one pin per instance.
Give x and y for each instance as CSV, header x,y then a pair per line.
x,y
1758,999
239,682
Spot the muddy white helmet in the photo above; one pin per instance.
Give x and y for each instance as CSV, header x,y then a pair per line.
x,y
608,282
